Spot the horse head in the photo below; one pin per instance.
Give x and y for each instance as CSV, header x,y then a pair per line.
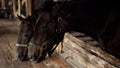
x,y
49,30
26,29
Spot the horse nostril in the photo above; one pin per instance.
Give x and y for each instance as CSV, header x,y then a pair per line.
x,y
20,57
44,46
32,58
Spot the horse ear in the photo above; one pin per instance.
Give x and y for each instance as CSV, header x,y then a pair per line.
x,y
20,18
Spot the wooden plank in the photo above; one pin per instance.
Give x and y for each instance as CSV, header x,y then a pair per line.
x,y
91,55
29,7
23,2
14,8
19,7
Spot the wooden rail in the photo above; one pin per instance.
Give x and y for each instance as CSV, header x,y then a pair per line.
x,y
25,8
22,8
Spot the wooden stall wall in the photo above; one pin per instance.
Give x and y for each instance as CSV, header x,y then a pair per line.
x,y
6,10
22,7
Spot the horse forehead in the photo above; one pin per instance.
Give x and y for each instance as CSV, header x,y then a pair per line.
x,y
44,18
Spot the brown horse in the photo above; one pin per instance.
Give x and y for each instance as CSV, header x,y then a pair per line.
x,y
88,17
24,36
50,29
27,27
42,42
26,30
38,48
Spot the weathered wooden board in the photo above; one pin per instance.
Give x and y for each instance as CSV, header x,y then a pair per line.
x,y
79,54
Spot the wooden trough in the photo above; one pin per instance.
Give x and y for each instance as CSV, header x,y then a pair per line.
x,y
81,51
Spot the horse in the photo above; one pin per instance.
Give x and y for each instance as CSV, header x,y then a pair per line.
x,y
26,30
45,35
88,17
25,34
38,48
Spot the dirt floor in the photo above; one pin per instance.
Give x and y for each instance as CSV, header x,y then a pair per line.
x,y
8,36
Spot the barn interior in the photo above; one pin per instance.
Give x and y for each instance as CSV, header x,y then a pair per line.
x,y
79,50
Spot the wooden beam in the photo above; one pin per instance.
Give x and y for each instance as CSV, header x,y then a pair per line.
x,y
29,7
23,2
19,7
14,8
3,4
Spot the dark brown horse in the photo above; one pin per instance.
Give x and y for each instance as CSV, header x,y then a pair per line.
x,y
42,42
26,30
89,17
24,36
50,30
27,27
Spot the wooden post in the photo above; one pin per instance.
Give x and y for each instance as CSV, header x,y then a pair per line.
x,y
29,7
14,8
24,5
3,4
19,7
